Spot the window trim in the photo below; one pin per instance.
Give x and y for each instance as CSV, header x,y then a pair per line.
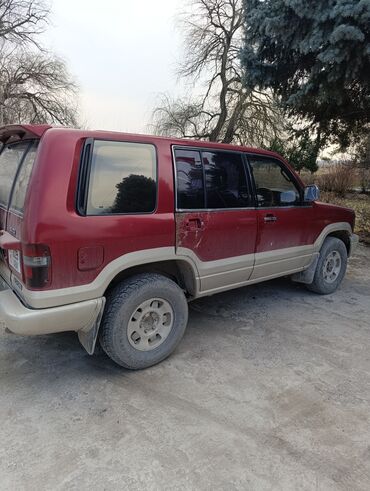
x,y
84,175
177,147
210,149
282,165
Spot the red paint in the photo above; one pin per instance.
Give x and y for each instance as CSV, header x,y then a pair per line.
x,y
291,228
222,234
50,217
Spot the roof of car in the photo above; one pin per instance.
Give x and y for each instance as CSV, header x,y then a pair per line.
x,y
33,130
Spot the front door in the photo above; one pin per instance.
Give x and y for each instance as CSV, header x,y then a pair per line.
x,y
284,221
216,223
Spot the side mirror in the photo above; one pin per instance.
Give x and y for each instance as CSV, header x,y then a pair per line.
x,y
311,193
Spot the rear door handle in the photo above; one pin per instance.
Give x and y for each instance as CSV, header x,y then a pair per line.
x,y
270,218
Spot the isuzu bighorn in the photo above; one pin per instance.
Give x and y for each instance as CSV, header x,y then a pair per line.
x,y
112,234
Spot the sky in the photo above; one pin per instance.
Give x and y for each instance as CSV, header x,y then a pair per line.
x,y
122,54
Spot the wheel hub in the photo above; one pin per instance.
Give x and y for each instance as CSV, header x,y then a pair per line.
x,y
149,321
332,266
150,324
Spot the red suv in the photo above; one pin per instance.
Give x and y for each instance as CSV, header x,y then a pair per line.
x,y
110,234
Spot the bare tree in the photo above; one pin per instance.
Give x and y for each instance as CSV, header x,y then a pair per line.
x,y
22,20
35,86
225,111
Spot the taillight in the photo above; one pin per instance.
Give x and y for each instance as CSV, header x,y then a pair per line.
x,y
36,265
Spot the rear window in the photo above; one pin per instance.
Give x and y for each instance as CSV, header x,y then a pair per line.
x,y
10,157
226,181
211,180
122,178
22,180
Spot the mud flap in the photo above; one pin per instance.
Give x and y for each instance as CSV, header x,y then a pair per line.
x,y
307,275
88,337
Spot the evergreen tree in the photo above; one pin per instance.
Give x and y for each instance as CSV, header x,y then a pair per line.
x,y
315,55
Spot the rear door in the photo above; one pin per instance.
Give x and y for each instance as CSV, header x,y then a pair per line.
x,y
16,161
216,223
284,220
10,158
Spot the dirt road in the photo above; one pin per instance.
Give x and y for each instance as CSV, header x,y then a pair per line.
x,y
270,389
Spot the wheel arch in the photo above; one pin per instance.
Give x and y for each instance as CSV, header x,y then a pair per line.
x,y
340,230
344,236
177,270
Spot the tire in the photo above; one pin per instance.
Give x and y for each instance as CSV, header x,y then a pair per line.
x,y
144,320
333,254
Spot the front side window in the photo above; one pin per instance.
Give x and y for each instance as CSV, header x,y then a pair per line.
x,y
274,185
190,186
123,178
226,182
10,157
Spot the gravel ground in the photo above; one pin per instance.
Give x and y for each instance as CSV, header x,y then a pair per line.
x,y
270,389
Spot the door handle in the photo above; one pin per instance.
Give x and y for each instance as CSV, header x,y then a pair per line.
x,y
270,218
194,224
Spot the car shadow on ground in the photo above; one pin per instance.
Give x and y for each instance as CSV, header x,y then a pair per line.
x,y
63,352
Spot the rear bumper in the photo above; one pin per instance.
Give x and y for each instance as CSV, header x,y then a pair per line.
x,y
19,319
354,239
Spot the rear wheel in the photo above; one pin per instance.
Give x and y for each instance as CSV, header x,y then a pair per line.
x,y
144,320
331,267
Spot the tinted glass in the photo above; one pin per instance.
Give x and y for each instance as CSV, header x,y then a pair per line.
x,y
122,178
274,186
190,188
226,182
24,174
10,158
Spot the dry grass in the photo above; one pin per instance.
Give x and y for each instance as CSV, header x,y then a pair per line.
x,y
360,203
334,182
336,178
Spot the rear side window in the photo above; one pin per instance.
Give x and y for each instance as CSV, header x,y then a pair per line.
x,y
10,157
22,180
123,178
190,186
211,180
226,182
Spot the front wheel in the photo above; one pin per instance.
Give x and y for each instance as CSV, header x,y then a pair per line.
x,y
144,320
331,267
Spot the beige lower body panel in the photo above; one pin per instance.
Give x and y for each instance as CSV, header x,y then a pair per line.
x,y
19,319
279,262
224,288
225,271
225,274
227,278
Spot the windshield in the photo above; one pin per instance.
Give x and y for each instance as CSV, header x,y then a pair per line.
x,y
11,157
